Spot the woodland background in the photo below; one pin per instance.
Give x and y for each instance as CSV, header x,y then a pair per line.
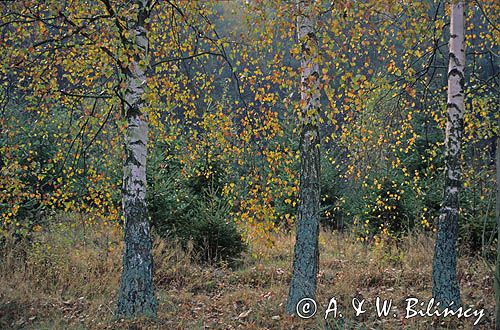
x,y
223,159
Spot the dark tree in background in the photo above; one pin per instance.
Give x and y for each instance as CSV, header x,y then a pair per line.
x,y
497,269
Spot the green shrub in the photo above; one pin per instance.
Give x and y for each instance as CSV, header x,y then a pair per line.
x,y
477,225
384,208
215,236
333,189
191,211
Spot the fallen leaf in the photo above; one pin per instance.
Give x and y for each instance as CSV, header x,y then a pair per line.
x,y
244,314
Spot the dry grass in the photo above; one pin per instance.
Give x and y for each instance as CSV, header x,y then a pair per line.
x,y
68,279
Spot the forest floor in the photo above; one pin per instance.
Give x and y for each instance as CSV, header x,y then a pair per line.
x,y
68,279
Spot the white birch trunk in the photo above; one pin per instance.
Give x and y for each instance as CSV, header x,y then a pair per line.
x,y
306,251
446,288
136,296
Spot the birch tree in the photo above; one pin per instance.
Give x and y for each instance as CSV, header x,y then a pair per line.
x,y
136,294
93,59
446,288
306,254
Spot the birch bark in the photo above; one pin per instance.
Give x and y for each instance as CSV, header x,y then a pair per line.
x,y
136,295
446,289
306,252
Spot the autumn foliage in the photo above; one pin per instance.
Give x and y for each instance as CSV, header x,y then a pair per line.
x,y
223,107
